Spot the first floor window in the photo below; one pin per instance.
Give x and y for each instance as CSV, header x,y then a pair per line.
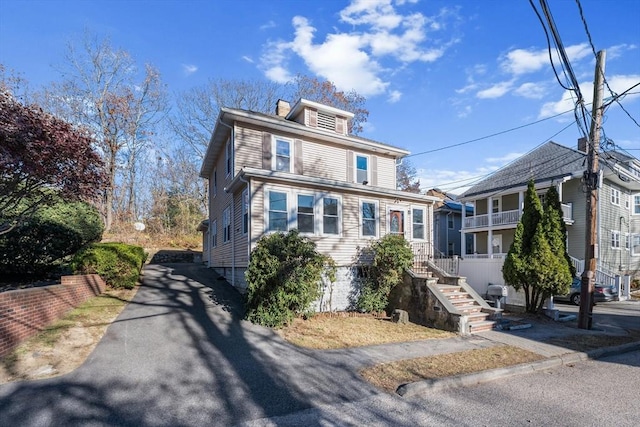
x,y
226,225
245,211
635,244
306,217
636,204
615,239
330,215
627,241
369,219
418,224
277,211
214,233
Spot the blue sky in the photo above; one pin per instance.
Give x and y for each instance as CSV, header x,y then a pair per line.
x,y
435,73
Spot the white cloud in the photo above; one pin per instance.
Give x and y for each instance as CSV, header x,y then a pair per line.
x,y
248,59
616,51
363,58
507,158
394,96
267,25
617,83
531,90
523,61
496,91
465,111
189,69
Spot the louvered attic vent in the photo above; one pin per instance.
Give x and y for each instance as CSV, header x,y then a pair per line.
x,y
326,121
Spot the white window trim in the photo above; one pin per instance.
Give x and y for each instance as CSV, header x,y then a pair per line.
x,y
226,225
321,215
615,238
361,218
633,204
292,210
633,237
499,200
424,223
355,167
627,241
245,211
315,211
274,157
228,157
267,196
615,196
214,233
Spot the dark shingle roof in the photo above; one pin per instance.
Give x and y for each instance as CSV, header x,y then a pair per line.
x,y
547,162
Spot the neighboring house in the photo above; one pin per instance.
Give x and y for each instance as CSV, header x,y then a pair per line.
x,y
301,169
447,223
499,200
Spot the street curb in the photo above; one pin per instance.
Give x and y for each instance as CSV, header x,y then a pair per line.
x,y
437,384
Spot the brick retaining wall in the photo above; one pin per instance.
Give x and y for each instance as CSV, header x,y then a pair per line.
x,y
25,312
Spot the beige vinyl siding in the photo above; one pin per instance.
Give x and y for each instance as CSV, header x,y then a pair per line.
x,y
221,254
248,147
572,193
386,167
344,247
322,160
612,218
240,247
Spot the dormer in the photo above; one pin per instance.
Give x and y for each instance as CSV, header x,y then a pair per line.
x,y
319,116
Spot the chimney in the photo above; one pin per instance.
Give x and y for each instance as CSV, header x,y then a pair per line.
x,y
582,144
282,108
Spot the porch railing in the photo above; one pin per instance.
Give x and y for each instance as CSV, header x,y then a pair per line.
x,y
509,218
422,254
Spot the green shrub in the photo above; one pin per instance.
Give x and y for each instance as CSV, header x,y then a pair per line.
x,y
284,278
39,244
118,264
392,255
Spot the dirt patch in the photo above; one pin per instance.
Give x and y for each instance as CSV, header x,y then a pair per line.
x,y
584,342
324,332
65,344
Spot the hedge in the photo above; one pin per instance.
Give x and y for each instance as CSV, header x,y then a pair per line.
x,y
118,264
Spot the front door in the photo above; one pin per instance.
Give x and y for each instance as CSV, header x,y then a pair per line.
x,y
396,222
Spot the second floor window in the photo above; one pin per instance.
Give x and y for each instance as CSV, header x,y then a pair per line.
x,y
615,196
229,158
362,168
450,224
283,155
636,205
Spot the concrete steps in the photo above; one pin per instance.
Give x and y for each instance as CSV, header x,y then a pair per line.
x,y
464,303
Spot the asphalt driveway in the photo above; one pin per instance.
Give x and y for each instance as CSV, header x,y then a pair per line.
x,y
179,355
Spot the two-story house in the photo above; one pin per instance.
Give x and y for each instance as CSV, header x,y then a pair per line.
x,y
301,169
499,201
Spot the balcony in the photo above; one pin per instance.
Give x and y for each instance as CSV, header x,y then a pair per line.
x,y
509,218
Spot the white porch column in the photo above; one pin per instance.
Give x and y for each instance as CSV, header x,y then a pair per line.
x,y
520,203
463,239
490,211
489,244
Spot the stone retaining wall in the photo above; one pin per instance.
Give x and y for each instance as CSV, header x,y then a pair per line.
x,y
25,312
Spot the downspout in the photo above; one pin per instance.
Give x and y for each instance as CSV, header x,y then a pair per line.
x,y
233,214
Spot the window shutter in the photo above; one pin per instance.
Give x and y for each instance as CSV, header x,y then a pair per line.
x,y
313,118
349,166
266,150
340,125
374,170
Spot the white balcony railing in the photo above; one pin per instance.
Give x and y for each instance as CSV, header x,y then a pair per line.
x,y
509,218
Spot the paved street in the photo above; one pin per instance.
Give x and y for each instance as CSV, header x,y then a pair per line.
x,y
180,355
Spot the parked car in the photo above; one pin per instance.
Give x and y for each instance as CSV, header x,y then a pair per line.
x,y
601,293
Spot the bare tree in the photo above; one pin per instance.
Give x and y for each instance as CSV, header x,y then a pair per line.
x,y
101,90
406,177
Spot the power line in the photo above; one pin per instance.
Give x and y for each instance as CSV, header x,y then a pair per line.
x,y
488,136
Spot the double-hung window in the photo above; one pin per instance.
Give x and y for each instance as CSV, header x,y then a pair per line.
x,y
362,168
229,157
635,244
636,205
330,219
278,214
226,224
417,222
214,233
245,211
369,216
282,159
306,215
215,182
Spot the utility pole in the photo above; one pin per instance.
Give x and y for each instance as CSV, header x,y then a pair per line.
x,y
591,179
